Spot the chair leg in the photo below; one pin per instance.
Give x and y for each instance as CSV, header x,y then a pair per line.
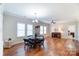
x,y
43,45
24,47
27,48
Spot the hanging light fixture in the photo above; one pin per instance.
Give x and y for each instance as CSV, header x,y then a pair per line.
x,y
53,21
36,19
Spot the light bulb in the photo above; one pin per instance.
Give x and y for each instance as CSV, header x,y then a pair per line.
x,y
36,21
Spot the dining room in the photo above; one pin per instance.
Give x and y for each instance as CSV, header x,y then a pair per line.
x,y
40,29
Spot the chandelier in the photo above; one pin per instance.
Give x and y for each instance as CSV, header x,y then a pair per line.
x,y
36,19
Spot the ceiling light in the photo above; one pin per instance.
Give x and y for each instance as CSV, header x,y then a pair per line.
x,y
36,20
53,22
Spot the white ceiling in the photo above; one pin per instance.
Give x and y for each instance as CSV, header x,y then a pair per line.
x,y
45,11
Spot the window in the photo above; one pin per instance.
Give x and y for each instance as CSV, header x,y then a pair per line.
x,y
29,29
45,29
41,29
20,29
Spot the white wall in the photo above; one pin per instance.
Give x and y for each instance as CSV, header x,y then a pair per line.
x,y
72,25
10,27
1,30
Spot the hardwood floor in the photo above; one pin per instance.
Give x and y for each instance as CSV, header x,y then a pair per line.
x,y
52,47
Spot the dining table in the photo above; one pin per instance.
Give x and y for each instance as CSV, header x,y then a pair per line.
x,y
35,41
